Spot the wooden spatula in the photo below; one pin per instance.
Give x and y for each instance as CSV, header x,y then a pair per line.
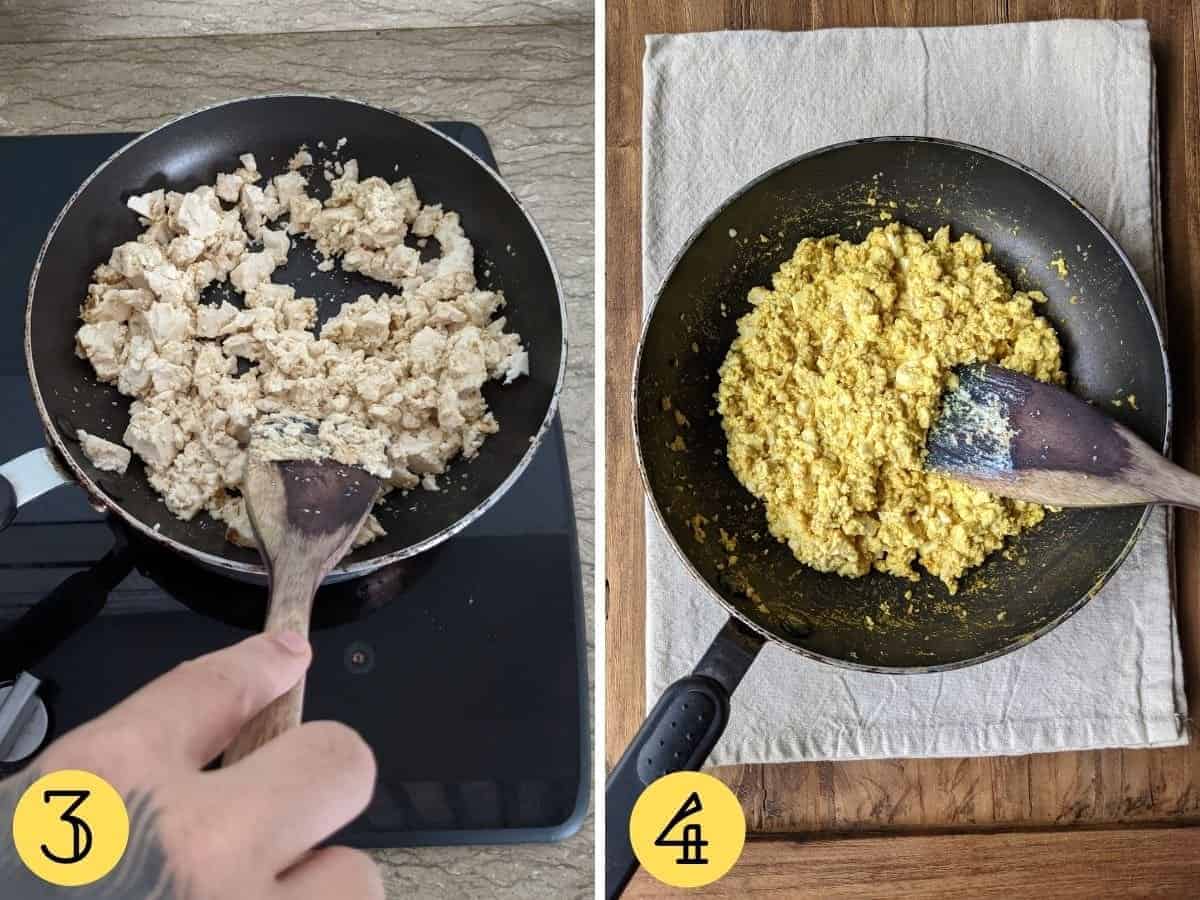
x,y
305,514
1017,437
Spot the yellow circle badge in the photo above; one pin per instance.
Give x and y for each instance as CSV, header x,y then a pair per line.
x,y
687,829
70,827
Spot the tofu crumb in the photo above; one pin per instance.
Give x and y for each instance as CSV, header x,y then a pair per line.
x,y
104,454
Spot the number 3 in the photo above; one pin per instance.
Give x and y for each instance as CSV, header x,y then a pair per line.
x,y
79,828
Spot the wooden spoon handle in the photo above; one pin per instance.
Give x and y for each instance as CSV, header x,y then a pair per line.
x,y
1172,484
1146,471
281,714
290,610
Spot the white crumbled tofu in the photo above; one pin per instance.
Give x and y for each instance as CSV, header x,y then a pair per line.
x,y
104,455
168,283
199,214
151,205
133,258
211,320
288,186
361,325
243,346
190,482
301,211
394,380
253,270
277,244
152,434
164,322
249,168
101,344
253,205
112,304
516,366
426,220
184,250
229,186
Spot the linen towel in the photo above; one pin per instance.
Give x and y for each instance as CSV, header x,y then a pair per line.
x,y
1074,100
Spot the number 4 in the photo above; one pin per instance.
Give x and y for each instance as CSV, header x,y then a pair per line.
x,y
692,843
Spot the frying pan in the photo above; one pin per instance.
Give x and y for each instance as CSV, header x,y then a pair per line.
x,y
1113,346
510,256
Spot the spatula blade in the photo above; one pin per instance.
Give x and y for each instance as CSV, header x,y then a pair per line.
x,y
1017,437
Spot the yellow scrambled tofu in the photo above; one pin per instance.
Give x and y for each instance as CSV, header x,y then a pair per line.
x,y
835,375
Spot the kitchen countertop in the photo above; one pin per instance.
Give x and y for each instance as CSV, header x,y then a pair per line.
x,y
794,812
527,83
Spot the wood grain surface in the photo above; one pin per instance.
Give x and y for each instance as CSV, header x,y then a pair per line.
x,y
530,87
1064,865
1110,786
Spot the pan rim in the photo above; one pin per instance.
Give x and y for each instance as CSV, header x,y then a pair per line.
x,y
1024,640
341,571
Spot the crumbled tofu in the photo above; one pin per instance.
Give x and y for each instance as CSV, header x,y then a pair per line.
x,y
149,205
153,434
838,369
249,170
101,344
277,244
104,454
516,366
392,383
253,270
199,214
229,187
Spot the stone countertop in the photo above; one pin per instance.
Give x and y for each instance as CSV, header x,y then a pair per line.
x,y
528,86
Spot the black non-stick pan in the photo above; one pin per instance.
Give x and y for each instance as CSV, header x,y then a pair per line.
x,y
1113,347
510,256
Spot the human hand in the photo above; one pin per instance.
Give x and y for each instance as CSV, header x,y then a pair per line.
x,y
246,831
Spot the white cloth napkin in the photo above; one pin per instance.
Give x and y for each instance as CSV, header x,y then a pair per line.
x,y
1072,99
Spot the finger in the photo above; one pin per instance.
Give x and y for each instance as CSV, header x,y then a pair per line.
x,y
192,712
333,872
294,791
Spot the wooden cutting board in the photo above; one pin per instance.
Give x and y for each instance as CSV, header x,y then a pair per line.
x,y
1118,790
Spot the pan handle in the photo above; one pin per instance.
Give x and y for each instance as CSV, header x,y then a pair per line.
x,y
678,735
25,478
62,612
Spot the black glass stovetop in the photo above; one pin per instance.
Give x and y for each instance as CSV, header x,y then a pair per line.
x,y
463,668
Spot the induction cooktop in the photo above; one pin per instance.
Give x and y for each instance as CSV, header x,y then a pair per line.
x,y
464,668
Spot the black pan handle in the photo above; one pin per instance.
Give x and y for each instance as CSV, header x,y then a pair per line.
x,y
678,735
25,478
71,605
8,503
